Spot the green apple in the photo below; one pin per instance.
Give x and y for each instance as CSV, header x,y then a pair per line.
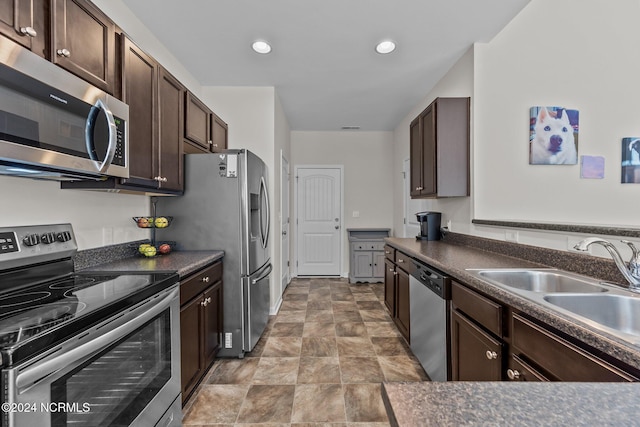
x,y
149,251
161,222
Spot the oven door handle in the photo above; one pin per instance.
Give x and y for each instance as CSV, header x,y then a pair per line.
x,y
44,369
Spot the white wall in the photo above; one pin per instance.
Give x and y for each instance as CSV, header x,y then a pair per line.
x,y
577,54
97,218
458,82
368,174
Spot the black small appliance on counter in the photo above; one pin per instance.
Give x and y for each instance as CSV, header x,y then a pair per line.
x,y
429,225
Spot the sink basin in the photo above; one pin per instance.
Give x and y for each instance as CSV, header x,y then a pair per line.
x,y
618,312
540,280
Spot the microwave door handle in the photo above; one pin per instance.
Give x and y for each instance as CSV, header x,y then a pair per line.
x,y
265,233
88,135
44,369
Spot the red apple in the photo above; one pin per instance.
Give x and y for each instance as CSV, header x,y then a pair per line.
x,y
164,248
143,223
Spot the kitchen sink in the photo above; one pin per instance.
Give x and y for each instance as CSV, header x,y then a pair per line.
x,y
618,312
540,280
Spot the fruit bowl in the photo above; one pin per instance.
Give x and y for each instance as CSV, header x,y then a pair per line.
x,y
153,221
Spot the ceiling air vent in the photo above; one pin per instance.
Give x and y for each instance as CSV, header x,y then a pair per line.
x,y
350,127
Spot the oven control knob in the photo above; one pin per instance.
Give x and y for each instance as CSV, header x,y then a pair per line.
x,y
31,240
48,238
63,236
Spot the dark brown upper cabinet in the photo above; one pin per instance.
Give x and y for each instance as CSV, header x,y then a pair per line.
x,y
204,131
25,22
83,42
219,134
171,119
439,149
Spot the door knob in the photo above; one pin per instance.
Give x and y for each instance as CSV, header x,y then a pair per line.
x,y
284,232
337,226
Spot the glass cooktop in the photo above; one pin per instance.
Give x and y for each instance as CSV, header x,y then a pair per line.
x,y
34,318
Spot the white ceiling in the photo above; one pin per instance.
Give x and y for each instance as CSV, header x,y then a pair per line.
x,y
323,64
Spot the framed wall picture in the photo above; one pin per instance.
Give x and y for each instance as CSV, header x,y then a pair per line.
x,y
553,136
630,160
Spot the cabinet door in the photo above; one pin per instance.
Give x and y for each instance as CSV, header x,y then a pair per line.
x,y
197,121
415,158
363,264
140,91
378,264
23,21
219,134
212,322
390,287
429,161
519,370
84,42
171,115
402,303
192,363
475,355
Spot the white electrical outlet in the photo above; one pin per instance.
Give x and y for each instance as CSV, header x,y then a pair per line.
x,y
227,340
511,236
449,225
356,214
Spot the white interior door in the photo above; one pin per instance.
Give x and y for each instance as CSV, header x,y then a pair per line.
x,y
284,209
319,220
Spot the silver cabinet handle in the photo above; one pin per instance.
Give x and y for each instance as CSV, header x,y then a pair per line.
x,y
491,355
513,374
63,52
28,31
205,279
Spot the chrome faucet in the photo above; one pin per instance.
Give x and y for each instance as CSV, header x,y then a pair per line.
x,y
631,273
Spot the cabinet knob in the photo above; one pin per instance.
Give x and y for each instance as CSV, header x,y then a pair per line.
x,y
203,302
63,52
208,300
205,279
391,270
419,188
28,31
395,273
400,261
513,374
491,355
387,252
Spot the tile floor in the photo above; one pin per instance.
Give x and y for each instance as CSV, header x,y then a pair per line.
x,y
319,363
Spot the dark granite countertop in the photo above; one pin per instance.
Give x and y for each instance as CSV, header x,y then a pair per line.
x,y
182,262
454,259
509,404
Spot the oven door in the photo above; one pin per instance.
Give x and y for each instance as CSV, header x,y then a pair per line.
x,y
125,371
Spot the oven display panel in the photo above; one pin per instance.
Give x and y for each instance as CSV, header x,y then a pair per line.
x,y
8,243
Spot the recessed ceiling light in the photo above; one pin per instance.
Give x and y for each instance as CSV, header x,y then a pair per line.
x,y
385,46
261,46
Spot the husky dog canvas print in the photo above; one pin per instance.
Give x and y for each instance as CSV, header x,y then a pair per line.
x,y
553,137
630,160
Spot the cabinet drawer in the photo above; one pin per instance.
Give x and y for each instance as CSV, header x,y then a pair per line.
x,y
367,246
403,261
477,307
390,253
198,282
519,370
560,358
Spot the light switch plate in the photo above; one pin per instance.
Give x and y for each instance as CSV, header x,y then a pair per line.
x,y
511,236
356,214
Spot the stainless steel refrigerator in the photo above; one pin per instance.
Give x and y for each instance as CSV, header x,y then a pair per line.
x,y
226,206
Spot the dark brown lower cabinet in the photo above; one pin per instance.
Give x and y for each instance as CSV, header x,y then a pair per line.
x,y
390,287
200,325
475,354
396,294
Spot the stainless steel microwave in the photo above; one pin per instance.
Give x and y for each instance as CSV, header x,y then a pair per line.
x,y
54,125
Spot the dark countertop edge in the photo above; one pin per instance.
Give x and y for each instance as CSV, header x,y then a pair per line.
x,y
571,228
600,340
184,263
511,403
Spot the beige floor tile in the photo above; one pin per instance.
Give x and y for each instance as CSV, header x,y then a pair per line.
x,y
319,347
282,347
318,403
233,371
320,425
342,296
319,316
316,370
351,329
382,329
347,316
360,288
299,296
228,400
287,329
375,316
355,346
319,305
369,305
277,370
390,346
360,370
344,306
291,316
363,403
290,305
267,404
365,296
317,296
316,329
401,368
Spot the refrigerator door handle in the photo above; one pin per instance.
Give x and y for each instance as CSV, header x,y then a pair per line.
x,y
263,275
265,230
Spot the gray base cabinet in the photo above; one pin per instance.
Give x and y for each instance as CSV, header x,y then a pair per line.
x,y
366,249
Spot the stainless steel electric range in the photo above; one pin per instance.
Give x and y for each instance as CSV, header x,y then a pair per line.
x,y
82,348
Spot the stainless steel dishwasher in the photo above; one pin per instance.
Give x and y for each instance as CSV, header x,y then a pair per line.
x,y
429,291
